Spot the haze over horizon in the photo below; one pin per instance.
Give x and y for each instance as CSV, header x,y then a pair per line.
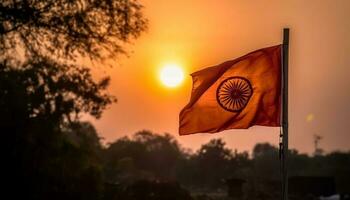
x,y
198,34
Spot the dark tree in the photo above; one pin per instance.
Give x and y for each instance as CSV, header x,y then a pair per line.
x,y
41,40
213,161
145,156
163,153
50,91
123,160
266,162
65,29
44,89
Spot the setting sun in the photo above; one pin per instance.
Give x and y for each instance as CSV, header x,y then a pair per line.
x,y
171,75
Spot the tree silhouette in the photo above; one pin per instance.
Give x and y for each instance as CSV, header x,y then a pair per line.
x,y
44,90
213,160
65,29
145,156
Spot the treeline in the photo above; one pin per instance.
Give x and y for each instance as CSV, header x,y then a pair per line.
x,y
149,156
73,164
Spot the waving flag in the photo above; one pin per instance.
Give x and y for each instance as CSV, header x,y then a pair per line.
x,y
236,94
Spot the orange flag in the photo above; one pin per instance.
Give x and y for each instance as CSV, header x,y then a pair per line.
x,y
236,94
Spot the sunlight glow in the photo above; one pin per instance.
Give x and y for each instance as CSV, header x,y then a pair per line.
x,y
310,117
171,75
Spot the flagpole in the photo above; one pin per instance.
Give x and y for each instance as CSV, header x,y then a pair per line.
x,y
285,52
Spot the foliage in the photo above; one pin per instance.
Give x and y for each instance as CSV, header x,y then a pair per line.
x,y
50,154
51,91
147,190
207,170
54,165
66,29
146,155
266,162
213,156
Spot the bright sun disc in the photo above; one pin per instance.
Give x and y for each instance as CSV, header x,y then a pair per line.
x,y
171,75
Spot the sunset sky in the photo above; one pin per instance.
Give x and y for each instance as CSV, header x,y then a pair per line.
x,y
200,33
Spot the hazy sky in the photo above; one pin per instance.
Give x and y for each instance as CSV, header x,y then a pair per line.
x,y
200,33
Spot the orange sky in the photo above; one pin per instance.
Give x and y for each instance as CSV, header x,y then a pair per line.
x,y
201,33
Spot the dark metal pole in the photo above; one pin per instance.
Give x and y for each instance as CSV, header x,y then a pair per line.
x,y
285,52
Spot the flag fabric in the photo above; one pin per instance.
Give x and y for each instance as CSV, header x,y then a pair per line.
x,y
236,94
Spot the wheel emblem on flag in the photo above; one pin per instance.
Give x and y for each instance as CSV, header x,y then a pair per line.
x,y
234,93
